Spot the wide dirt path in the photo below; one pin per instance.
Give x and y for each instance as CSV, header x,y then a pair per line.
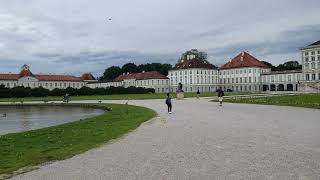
x,y
201,140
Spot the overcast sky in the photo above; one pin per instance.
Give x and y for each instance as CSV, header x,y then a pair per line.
x,y
75,36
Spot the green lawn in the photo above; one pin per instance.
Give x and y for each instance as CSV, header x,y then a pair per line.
x,y
305,100
34,147
116,97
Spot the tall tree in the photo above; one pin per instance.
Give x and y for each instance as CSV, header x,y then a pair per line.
x,y
111,73
289,65
200,55
129,68
162,68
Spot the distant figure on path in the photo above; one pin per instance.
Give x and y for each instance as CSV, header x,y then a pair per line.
x,y
198,94
220,95
168,103
66,98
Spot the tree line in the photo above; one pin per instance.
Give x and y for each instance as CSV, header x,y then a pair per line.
x,y
289,65
114,71
21,92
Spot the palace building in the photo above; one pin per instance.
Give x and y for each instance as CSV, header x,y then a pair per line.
x,y
194,74
152,79
310,60
244,72
27,79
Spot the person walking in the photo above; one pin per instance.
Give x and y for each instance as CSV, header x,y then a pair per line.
x,y
198,94
220,95
168,103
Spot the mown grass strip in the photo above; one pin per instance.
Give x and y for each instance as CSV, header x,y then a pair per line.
x,y
302,100
34,147
117,97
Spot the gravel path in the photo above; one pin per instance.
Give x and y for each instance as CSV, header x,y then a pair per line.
x,y
201,140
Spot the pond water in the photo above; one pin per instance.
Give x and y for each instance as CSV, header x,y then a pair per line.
x,y
24,118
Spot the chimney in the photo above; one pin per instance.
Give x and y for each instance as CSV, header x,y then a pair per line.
x,y
143,71
124,74
242,54
127,73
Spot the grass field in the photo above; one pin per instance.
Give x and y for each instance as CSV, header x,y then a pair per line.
x,y
34,147
115,97
305,100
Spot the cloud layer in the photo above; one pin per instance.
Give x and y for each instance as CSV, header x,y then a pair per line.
x,y
68,36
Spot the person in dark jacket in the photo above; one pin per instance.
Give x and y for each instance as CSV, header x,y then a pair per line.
x,y
198,94
220,95
168,103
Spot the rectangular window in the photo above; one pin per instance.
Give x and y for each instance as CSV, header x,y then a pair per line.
x,y
249,79
306,59
313,76
313,58
307,77
312,53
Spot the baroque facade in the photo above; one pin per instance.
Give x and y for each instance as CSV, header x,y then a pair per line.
x,y
27,79
310,59
242,73
194,74
152,79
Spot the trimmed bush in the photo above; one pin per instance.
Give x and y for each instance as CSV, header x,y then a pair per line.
x,y
21,92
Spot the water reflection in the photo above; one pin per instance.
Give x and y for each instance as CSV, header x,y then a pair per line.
x,y
24,118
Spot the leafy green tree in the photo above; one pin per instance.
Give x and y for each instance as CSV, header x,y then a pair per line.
x,y
200,55
39,92
162,68
289,65
111,73
4,92
57,92
85,91
20,92
129,68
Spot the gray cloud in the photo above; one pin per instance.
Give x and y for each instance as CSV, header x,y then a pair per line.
x,y
52,38
283,43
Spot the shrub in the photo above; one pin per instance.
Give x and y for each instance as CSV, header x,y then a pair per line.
x,y
21,92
